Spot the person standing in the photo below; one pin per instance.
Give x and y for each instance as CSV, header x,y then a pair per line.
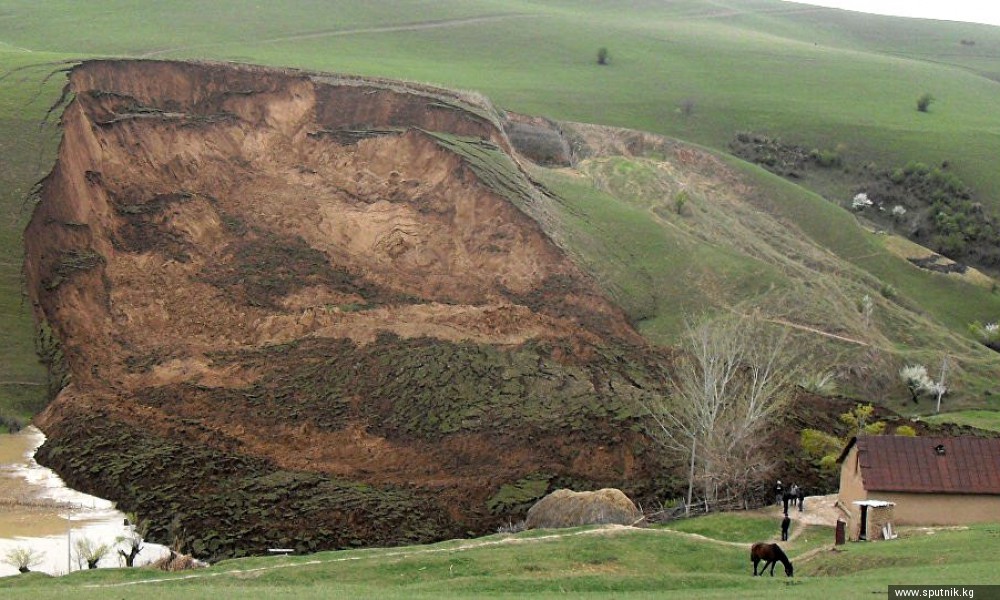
x,y
785,524
778,493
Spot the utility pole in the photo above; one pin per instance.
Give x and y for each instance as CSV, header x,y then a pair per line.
x,y
940,387
69,531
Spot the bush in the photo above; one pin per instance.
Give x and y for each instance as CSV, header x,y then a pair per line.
x,y
826,158
988,334
818,444
680,201
905,430
924,102
22,558
821,384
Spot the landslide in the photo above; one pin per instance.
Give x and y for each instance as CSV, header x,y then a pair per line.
x,y
298,310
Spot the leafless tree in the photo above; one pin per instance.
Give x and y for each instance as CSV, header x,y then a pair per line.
x,y
91,552
733,376
22,558
130,544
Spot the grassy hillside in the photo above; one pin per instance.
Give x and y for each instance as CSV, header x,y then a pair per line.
x,y
743,239
818,77
652,563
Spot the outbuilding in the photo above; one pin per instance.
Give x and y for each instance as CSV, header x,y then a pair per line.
x,y
930,481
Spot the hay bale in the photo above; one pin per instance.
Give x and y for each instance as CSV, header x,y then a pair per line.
x,y
566,508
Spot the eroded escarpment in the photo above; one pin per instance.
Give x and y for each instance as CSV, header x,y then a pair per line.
x,y
313,311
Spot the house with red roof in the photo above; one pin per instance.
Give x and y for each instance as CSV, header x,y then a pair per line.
x,y
930,480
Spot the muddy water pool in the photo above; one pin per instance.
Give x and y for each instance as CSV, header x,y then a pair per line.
x,y
39,512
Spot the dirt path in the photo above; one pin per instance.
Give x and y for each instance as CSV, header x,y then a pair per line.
x,y
819,332
418,26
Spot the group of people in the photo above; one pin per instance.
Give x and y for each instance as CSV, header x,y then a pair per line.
x,y
795,495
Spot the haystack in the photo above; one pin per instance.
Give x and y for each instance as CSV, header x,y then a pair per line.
x,y
566,508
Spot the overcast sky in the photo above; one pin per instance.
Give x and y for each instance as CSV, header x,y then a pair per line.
x,y
976,11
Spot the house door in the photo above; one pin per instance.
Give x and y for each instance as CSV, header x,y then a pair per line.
x,y
863,534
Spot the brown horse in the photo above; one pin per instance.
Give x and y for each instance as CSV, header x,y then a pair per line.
x,y
770,554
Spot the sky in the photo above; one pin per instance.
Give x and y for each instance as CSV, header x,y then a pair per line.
x,y
975,11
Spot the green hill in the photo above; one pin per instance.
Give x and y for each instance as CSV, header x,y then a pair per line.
x,y
696,70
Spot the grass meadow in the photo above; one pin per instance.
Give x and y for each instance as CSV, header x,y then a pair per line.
x,y
660,562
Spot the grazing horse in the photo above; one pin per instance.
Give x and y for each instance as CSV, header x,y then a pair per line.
x,y
770,554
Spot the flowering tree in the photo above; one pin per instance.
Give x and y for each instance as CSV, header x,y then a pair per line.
x,y
916,379
919,382
861,201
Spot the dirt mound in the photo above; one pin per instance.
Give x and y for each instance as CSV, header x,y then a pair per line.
x,y
312,311
566,508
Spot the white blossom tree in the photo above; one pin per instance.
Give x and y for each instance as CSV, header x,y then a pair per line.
x,y
919,382
861,201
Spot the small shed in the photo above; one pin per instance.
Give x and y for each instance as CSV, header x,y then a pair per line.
x,y
874,521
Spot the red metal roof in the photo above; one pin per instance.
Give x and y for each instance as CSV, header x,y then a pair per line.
x,y
960,465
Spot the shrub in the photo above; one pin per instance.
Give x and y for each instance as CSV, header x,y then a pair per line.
x,y
924,102
860,420
988,334
602,56
826,158
905,430
866,307
23,559
680,201
818,444
861,201
821,384
91,552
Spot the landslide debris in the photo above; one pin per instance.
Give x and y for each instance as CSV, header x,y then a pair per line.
x,y
313,311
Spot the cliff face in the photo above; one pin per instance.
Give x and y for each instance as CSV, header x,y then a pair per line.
x,y
314,311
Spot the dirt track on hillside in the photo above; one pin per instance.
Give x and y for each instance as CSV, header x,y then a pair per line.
x,y
418,26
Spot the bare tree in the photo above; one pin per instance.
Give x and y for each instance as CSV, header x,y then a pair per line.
x,y
130,544
22,558
732,378
90,551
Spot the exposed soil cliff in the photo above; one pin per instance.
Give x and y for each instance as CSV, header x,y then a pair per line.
x,y
311,311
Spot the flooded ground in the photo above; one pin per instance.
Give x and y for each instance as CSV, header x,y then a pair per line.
x,y
38,512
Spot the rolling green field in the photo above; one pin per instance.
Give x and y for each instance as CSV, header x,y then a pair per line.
x,y
812,76
597,563
983,419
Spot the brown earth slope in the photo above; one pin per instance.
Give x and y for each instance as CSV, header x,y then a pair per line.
x,y
299,310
